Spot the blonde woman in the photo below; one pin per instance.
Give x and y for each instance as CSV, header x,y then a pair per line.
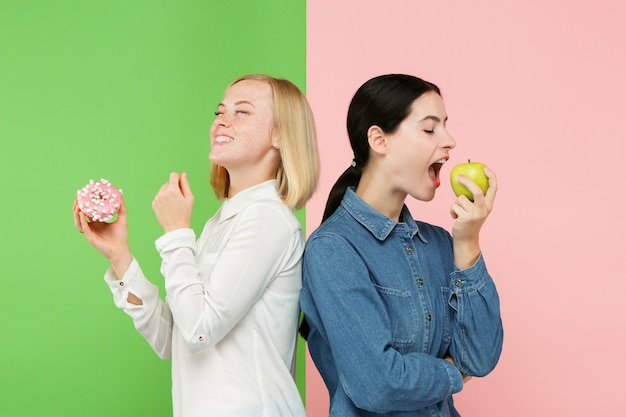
x,y
230,318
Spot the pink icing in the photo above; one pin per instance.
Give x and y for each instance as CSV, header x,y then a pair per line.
x,y
99,200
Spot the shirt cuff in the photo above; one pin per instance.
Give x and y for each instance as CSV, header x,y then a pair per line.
x,y
176,239
472,278
133,281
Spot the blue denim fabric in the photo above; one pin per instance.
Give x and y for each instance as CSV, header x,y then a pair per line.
x,y
385,303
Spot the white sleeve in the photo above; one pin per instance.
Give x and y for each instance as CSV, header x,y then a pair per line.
x,y
153,318
206,310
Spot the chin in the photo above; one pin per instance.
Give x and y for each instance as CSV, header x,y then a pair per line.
x,y
423,196
215,159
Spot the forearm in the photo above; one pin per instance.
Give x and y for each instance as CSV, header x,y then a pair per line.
x,y
476,326
150,315
189,301
184,288
421,380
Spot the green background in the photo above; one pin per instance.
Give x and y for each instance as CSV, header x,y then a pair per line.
x,y
123,90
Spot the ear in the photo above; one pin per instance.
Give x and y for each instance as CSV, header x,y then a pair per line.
x,y
377,139
275,139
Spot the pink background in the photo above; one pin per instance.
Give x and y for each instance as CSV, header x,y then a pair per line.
x,y
536,90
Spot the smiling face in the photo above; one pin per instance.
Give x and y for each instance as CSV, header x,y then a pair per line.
x,y
243,132
418,148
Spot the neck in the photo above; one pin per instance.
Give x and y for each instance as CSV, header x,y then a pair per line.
x,y
242,181
248,174
375,192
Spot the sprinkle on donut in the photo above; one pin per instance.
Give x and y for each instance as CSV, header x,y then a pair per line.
x,y
99,201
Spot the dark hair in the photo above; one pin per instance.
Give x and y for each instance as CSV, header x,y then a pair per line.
x,y
384,101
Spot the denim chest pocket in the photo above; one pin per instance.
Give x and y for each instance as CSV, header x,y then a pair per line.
x,y
402,315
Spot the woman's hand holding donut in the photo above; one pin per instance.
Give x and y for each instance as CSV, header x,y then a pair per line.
x,y
111,240
470,216
173,203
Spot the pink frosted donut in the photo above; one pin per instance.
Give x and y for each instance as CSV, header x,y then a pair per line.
x,y
99,201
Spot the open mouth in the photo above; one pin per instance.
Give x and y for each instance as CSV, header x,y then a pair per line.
x,y
433,171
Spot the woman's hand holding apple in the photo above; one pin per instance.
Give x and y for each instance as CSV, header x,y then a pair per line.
x,y
470,216
472,170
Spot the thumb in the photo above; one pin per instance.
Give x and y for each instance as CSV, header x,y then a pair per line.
x,y
184,185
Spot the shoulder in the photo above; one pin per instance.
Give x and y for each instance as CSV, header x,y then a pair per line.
x,y
271,211
339,225
339,233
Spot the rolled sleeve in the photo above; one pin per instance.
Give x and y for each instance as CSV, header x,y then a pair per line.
x,y
477,326
134,282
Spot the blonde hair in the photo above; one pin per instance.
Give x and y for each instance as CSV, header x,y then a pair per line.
x,y
293,119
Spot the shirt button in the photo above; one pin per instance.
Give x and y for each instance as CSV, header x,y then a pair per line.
x,y
409,249
458,282
201,338
429,317
420,281
121,283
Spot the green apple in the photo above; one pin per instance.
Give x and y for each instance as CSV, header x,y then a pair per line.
x,y
475,171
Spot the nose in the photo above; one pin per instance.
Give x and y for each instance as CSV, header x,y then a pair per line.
x,y
448,141
222,120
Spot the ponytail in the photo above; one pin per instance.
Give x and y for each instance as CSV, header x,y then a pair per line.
x,y
349,178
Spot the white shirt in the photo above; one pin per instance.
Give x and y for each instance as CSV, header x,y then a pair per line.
x,y
231,317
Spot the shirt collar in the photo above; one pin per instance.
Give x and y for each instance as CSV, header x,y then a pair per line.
x,y
232,206
377,223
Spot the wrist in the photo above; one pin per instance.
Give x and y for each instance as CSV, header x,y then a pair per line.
x,y
120,262
466,253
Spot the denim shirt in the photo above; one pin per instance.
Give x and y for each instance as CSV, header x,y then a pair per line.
x,y
385,304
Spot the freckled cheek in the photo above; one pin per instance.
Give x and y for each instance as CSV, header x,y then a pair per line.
x,y
259,133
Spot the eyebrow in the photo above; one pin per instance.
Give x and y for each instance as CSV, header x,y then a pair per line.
x,y
238,102
434,118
